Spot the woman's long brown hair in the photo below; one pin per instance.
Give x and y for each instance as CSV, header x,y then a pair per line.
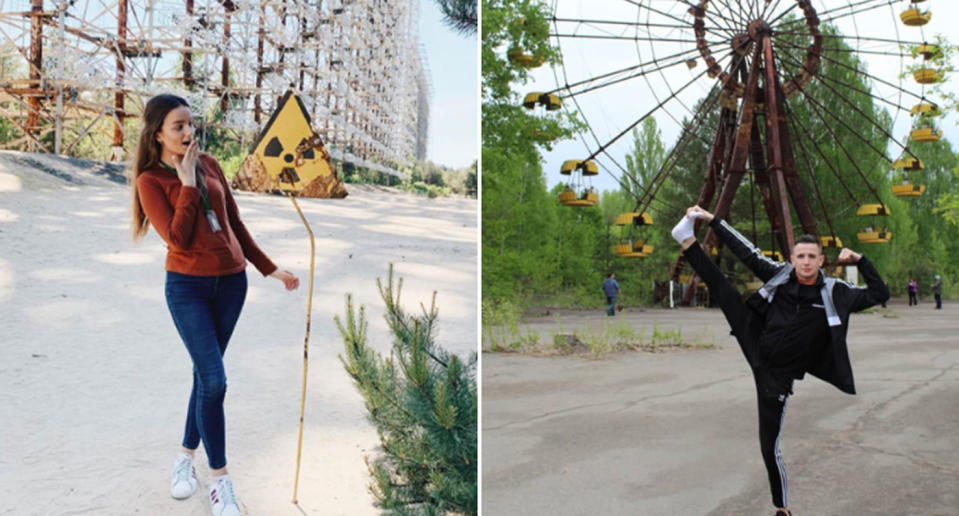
x,y
148,153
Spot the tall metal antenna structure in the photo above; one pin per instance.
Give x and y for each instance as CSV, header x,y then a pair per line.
x,y
73,68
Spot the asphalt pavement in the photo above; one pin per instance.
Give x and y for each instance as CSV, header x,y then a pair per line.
x,y
675,432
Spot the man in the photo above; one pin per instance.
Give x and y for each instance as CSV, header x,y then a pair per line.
x,y
937,290
796,323
611,289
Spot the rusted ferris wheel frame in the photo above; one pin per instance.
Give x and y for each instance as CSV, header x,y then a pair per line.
x,y
739,146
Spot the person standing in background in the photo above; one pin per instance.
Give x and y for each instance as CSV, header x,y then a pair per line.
x,y
913,289
937,290
611,289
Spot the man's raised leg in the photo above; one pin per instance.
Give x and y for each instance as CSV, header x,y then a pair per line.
x,y
740,317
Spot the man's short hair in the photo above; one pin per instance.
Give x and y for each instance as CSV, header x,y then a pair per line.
x,y
609,275
808,239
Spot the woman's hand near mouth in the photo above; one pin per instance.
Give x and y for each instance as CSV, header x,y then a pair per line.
x,y
186,164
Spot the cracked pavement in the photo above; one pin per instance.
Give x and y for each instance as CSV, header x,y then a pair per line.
x,y
676,432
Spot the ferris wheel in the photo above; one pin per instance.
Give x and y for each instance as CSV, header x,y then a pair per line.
x,y
746,69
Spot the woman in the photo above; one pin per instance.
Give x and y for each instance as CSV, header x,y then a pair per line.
x,y
185,197
913,287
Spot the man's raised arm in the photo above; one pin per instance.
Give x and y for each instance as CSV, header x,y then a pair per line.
x,y
875,292
747,253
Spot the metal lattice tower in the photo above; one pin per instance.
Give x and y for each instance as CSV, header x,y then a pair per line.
x,y
67,68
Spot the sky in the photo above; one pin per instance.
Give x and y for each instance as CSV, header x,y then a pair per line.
x,y
612,109
454,72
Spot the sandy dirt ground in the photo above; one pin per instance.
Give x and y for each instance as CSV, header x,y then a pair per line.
x,y
95,380
676,432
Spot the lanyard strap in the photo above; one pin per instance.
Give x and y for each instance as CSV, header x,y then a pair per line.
x,y
201,184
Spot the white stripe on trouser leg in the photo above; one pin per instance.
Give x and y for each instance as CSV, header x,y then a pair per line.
x,y
783,482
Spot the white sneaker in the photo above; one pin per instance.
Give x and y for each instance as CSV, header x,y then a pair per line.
x,y
222,498
184,480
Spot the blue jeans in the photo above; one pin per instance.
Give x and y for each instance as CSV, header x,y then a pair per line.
x,y
205,310
611,301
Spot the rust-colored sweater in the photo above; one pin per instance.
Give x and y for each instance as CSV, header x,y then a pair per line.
x,y
178,215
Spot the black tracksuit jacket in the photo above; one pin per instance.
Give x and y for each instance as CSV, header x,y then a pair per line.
x,y
832,365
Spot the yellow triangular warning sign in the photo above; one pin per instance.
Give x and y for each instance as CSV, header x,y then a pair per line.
x,y
289,149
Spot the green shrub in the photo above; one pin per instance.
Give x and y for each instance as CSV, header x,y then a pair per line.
x,y
423,403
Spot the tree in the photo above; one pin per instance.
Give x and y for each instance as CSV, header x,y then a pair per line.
x,y
519,215
423,403
459,15
646,157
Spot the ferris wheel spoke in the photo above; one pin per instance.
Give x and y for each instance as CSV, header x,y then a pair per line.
x,y
647,115
815,183
730,23
626,186
705,107
837,82
679,100
715,17
662,13
749,12
643,201
815,103
806,133
632,38
842,145
627,23
657,11
840,36
854,10
624,70
823,78
755,11
632,76
605,169
781,15
868,117
769,9
870,52
663,174
863,73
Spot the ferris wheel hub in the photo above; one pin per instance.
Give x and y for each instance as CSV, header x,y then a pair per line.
x,y
741,43
758,29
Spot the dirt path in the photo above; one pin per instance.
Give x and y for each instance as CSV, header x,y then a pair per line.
x,y
95,380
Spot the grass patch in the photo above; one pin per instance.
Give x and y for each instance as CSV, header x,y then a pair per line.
x,y
593,340
502,331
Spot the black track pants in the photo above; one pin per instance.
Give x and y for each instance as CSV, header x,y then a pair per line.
x,y
746,327
772,415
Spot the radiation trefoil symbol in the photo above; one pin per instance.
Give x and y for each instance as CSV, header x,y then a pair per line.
x,y
289,149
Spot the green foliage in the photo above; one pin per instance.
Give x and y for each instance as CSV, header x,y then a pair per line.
x,y
947,204
531,245
459,15
666,337
423,178
537,252
500,325
423,403
943,61
9,68
8,131
616,337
